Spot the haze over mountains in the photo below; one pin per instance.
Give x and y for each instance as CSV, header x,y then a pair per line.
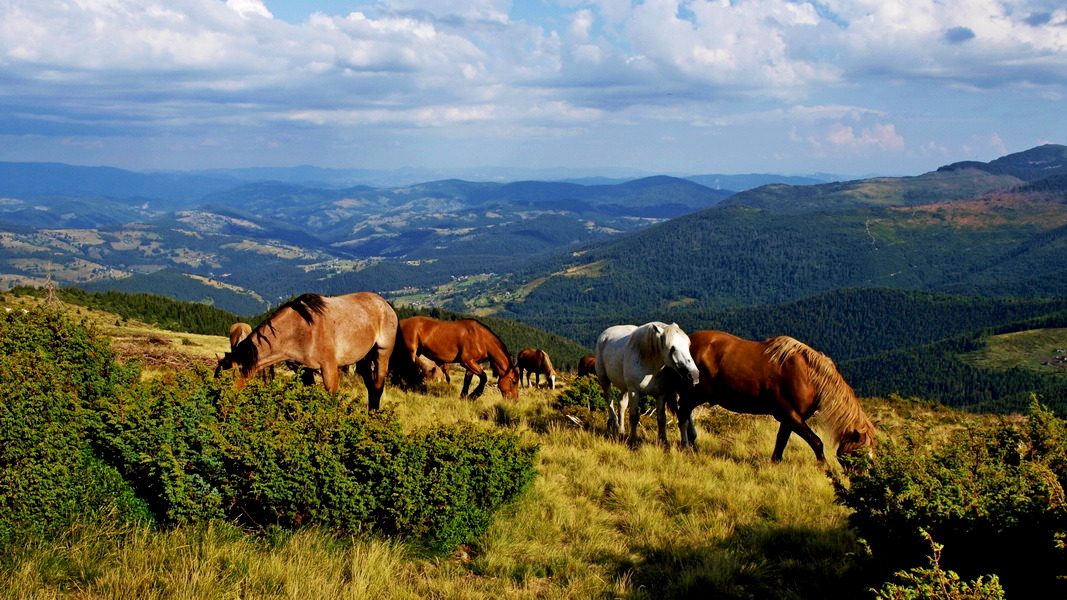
x,y
253,243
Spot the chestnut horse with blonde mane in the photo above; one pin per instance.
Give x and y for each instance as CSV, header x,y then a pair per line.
x,y
323,333
532,361
467,342
781,377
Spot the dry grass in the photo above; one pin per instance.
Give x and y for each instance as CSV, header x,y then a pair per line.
x,y
601,521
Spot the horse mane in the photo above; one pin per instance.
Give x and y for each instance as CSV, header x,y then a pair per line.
x,y
835,401
650,346
549,369
246,354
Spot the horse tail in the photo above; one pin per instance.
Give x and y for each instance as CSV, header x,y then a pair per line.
x,y
835,401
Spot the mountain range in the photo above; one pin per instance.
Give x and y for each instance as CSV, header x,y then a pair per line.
x,y
905,271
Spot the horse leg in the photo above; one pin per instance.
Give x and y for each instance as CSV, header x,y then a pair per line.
x,y
482,378
634,403
793,422
686,428
373,373
473,369
330,376
466,384
661,418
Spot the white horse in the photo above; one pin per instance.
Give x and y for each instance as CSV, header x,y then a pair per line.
x,y
631,358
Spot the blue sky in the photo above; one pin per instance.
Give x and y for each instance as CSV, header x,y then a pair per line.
x,y
657,86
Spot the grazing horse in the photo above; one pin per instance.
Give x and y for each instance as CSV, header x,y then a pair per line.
x,y
466,342
780,377
632,358
238,332
535,362
323,333
587,365
429,371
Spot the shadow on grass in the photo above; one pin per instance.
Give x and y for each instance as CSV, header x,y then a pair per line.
x,y
760,561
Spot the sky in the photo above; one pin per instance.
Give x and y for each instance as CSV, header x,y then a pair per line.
x,y
894,87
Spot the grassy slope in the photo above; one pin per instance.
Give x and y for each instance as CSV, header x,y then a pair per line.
x,y
1039,350
601,521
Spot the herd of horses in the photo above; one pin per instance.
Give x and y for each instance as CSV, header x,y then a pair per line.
x,y
781,376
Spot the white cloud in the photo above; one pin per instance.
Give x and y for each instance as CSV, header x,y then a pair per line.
x,y
247,8
881,136
792,67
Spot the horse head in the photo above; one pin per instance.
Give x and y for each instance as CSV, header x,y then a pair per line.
x,y
508,382
676,353
857,443
226,362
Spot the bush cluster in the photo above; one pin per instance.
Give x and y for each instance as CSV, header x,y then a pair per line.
x,y
54,373
584,392
82,431
993,496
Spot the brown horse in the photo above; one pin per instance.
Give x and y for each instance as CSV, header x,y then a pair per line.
x,y
466,342
238,332
780,377
587,365
323,333
536,362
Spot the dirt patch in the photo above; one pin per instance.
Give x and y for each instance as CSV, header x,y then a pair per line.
x,y
154,352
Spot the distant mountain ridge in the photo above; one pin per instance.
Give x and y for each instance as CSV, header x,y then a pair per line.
x,y
33,180
1028,165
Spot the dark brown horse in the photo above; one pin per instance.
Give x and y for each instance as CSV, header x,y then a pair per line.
x,y
587,365
780,377
532,361
323,333
466,342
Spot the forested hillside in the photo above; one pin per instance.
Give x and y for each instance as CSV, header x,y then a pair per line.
x,y
1003,244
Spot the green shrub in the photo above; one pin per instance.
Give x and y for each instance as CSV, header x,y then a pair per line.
x,y
585,391
160,434
81,438
51,370
453,479
292,456
284,454
934,583
994,495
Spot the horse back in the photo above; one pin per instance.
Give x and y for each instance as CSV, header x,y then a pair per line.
x,y
738,375
448,341
614,357
354,324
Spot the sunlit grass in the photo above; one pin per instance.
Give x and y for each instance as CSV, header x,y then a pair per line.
x,y
602,520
